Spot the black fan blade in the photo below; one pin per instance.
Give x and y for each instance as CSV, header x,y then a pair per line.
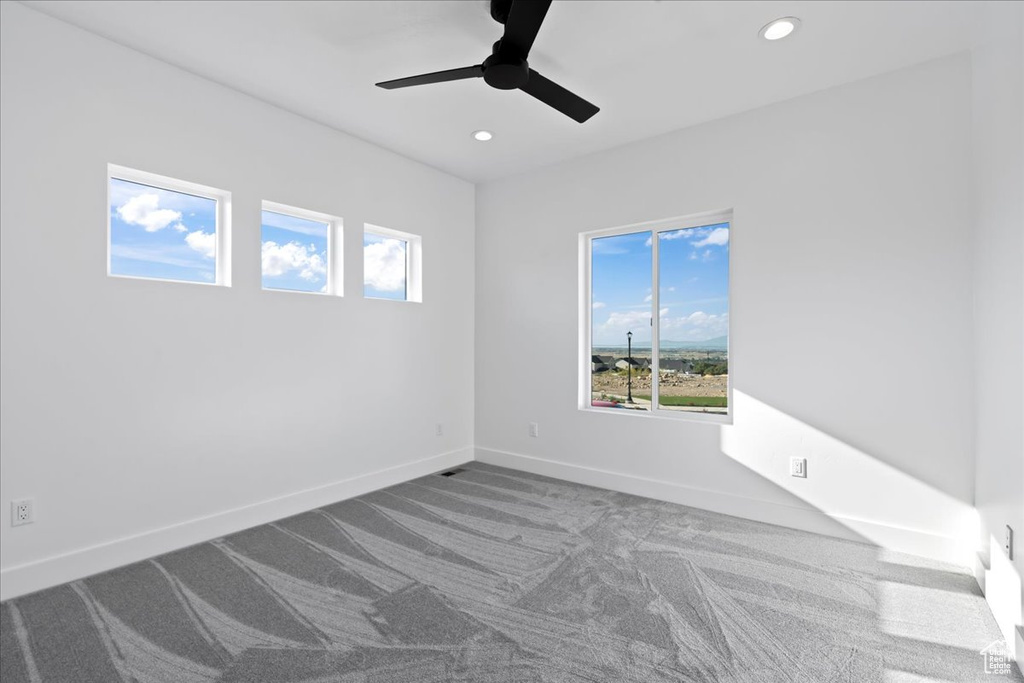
x,y
554,95
524,20
436,77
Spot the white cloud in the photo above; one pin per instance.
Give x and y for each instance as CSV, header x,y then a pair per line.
x,y
180,227
630,318
707,255
608,247
716,238
678,235
203,242
384,265
697,318
281,259
693,256
315,269
697,326
598,304
614,329
144,210
650,297
625,319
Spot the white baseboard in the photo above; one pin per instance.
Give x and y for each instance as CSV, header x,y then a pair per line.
x,y
1003,588
52,571
980,568
77,564
891,537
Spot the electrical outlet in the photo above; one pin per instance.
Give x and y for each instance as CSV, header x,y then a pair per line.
x,y
21,512
1009,542
439,429
534,429
798,467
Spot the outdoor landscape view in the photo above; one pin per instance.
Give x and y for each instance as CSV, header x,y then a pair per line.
x,y
693,320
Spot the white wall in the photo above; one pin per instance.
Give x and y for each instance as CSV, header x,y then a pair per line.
x,y
150,415
851,313
144,416
998,135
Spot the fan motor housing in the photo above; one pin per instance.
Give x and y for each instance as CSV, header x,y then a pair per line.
x,y
500,10
506,68
506,73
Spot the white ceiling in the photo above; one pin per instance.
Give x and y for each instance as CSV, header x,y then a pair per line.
x,y
651,66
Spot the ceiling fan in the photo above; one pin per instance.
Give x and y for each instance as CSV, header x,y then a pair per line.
x,y
507,68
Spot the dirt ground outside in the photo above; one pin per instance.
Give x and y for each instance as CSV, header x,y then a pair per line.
x,y
669,384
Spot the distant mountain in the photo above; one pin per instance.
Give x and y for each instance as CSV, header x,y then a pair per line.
x,y
716,344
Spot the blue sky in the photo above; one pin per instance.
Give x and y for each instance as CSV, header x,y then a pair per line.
x,y
384,267
693,288
293,253
159,233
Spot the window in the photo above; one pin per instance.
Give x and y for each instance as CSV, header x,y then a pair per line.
x,y
297,250
165,229
656,318
391,264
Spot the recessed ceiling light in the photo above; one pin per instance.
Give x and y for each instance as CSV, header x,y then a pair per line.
x,y
482,135
780,28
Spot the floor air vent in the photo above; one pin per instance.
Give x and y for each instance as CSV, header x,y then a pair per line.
x,y
452,473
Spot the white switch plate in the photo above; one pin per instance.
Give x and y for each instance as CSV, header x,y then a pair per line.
x,y
798,467
534,429
21,512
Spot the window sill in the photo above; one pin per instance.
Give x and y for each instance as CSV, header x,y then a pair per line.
x,y
684,416
167,279
397,301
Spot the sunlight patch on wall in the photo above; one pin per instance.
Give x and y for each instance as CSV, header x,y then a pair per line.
x,y
881,503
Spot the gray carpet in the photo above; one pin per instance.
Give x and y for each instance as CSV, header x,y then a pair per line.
x,y
499,576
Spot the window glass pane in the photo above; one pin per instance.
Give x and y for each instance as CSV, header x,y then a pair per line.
x,y
693,297
294,253
620,307
384,267
162,234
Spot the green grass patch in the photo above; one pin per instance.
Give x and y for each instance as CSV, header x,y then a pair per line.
x,y
690,401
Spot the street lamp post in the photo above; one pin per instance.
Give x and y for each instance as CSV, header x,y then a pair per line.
x,y
629,367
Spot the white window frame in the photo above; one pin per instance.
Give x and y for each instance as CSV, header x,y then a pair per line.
x,y
586,314
222,229
413,262
335,247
